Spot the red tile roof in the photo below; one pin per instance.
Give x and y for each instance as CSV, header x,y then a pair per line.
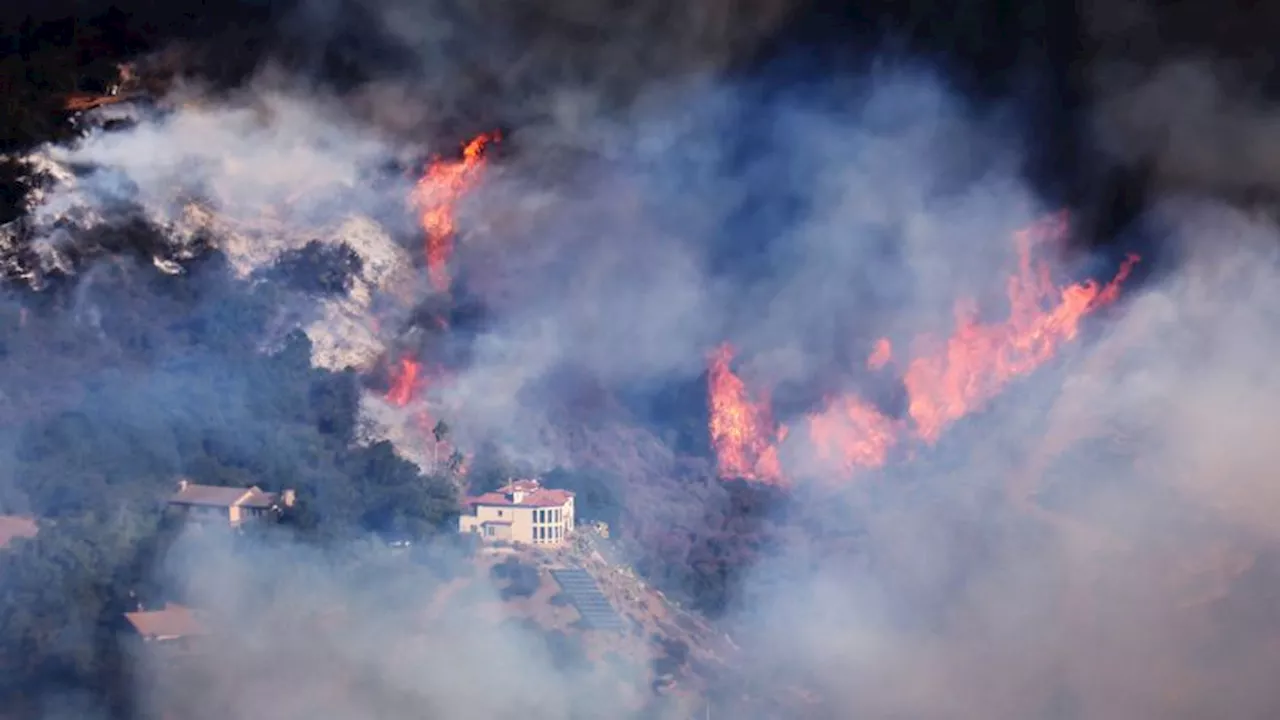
x,y
13,527
214,495
541,498
173,621
534,495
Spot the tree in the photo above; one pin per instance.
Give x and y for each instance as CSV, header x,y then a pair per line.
x,y
66,590
174,381
456,462
440,432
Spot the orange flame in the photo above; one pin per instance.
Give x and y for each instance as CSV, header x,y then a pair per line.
x,y
965,372
405,382
437,193
742,432
980,359
851,433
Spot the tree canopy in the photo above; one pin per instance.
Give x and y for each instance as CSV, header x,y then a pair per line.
x,y
139,378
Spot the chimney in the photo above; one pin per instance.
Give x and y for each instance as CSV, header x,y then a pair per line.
x,y
288,497
182,484
514,491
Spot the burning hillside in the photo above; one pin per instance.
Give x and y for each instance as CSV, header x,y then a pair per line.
x,y
704,309
435,195
944,380
442,392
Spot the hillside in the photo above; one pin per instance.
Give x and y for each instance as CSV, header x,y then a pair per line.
x,y
680,658
493,633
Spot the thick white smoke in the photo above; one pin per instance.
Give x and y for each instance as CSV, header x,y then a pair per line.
x,y
1101,584
1074,561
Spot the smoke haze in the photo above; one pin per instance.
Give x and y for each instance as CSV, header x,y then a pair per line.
x,y
1097,542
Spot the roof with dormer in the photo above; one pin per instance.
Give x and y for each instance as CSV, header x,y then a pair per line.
x,y
217,496
529,492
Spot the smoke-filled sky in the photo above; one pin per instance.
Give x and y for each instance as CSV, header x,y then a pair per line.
x,y
1096,542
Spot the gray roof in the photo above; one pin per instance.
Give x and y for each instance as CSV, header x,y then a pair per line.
x,y
217,496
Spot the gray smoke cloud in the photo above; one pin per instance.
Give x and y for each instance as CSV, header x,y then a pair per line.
x,y
1093,545
1195,122
300,633
1183,98
560,61
613,271
1093,563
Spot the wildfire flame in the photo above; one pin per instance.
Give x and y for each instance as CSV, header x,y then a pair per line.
x,y
742,432
979,359
435,196
405,382
943,385
851,433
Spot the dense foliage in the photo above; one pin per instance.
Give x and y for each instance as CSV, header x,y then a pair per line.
x,y
133,378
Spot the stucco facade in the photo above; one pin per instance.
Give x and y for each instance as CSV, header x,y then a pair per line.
x,y
210,504
523,512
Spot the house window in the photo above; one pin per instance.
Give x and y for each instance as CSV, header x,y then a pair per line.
x,y
499,513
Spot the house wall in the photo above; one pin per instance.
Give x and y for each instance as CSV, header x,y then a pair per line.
x,y
550,525
484,514
233,515
536,526
239,514
202,513
521,523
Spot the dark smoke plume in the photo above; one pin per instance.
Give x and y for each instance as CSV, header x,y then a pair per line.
x,y
1093,543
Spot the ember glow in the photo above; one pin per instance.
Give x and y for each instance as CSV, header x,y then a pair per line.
x,y
944,380
435,198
